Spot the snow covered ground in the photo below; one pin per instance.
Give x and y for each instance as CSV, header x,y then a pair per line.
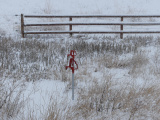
x,y
129,77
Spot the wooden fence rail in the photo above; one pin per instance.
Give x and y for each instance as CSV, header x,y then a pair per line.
x,y
70,24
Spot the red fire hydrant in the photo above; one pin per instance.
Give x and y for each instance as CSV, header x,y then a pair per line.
x,y
72,61
72,67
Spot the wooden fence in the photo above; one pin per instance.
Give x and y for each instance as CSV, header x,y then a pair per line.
x,y
70,24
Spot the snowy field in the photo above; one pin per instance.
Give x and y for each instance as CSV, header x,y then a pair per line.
x,y
117,79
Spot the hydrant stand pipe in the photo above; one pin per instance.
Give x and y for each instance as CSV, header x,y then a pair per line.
x,y
71,66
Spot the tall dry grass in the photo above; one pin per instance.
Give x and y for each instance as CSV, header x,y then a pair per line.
x,y
110,101
11,102
32,60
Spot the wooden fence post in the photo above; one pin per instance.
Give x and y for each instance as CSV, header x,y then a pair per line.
x,y
121,34
22,25
70,26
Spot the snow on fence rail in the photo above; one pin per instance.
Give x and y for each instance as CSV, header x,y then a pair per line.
x,y
70,24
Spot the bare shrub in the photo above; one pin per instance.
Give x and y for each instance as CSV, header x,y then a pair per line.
x,y
36,59
2,33
48,7
53,112
29,58
112,61
139,59
137,62
6,52
64,74
139,41
85,48
11,102
88,103
155,64
109,100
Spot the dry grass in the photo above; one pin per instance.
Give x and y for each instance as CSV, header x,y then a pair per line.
x,y
138,63
112,61
30,59
48,7
39,59
11,102
107,100
33,60
154,67
53,112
